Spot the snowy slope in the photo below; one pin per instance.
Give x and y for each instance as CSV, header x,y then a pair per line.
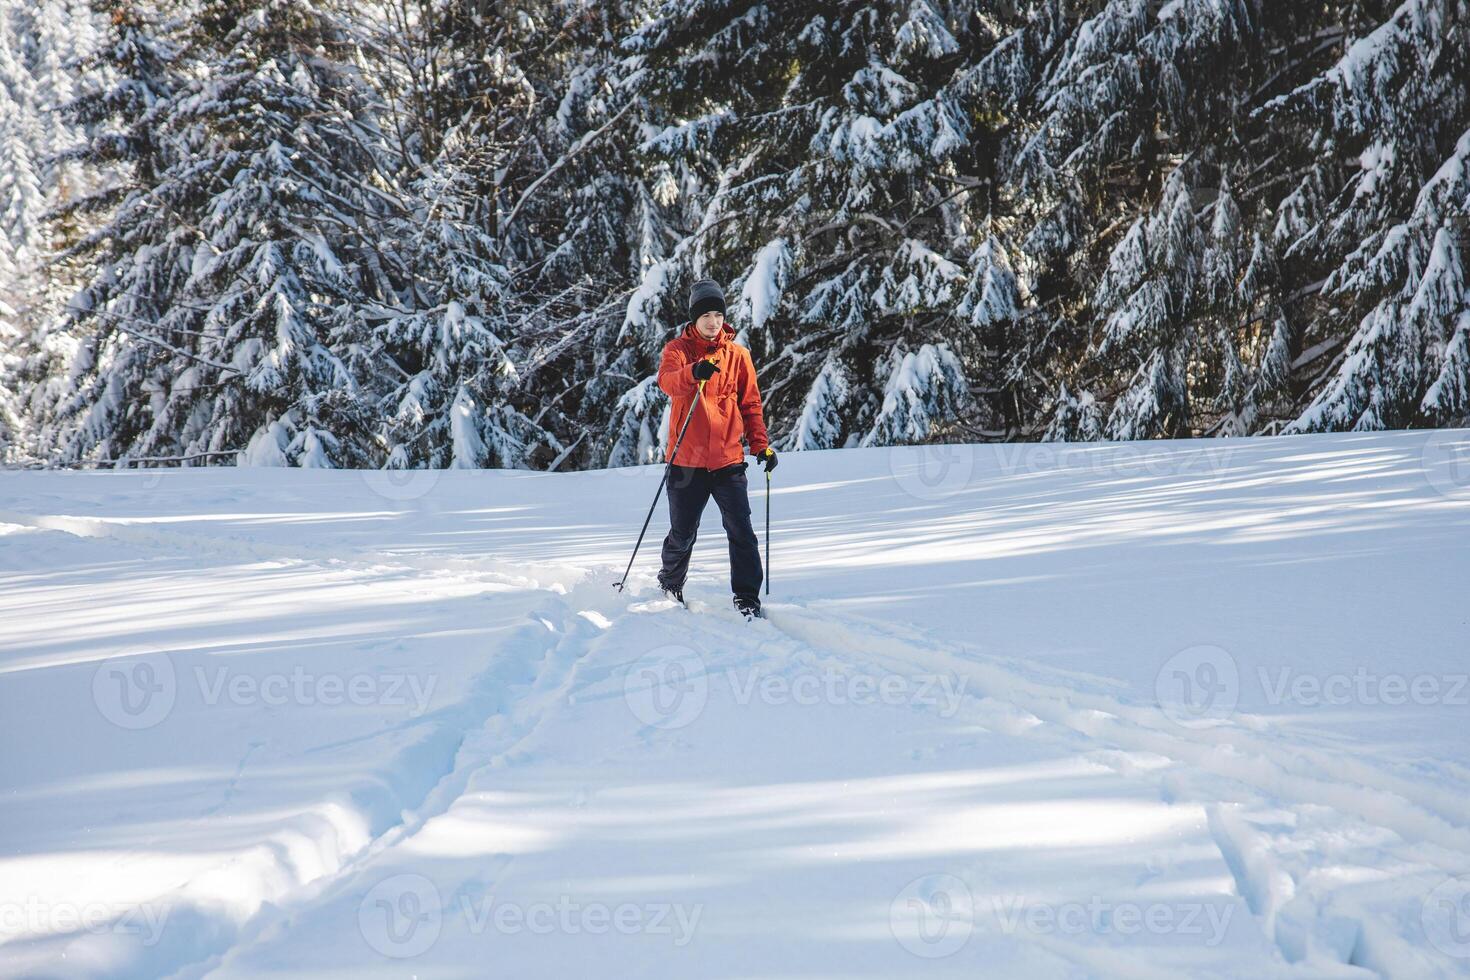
x,y
1152,709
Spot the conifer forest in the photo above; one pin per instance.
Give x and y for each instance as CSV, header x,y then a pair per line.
x,y
457,233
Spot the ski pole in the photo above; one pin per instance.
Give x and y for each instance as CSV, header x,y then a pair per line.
x,y
677,443
768,532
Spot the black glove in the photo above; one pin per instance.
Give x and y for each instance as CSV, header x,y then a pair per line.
x,y
704,370
767,457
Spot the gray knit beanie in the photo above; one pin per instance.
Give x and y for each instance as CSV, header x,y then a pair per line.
x,y
705,296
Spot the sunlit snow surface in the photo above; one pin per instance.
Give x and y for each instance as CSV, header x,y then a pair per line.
x,y
1166,709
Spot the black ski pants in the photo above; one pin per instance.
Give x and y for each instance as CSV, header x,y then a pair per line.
x,y
690,488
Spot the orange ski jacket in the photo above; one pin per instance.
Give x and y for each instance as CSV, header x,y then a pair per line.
x,y
729,408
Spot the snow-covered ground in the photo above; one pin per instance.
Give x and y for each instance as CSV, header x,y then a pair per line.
x,y
1156,709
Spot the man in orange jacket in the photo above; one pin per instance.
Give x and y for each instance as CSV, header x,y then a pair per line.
x,y
710,462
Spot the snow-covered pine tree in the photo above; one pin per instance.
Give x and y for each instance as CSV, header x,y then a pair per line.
x,y
20,207
606,221
1133,91
1076,418
1147,295
447,83
832,167
1126,125
934,219
1392,117
11,433
514,221
221,305
641,420
922,390
42,48
66,36
22,200
1189,318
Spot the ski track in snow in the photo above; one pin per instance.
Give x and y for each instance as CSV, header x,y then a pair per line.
x,y
1300,823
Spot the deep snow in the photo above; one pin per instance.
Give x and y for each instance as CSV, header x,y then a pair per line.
x,y
1151,709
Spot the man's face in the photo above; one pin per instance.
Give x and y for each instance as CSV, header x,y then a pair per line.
x,y
709,324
